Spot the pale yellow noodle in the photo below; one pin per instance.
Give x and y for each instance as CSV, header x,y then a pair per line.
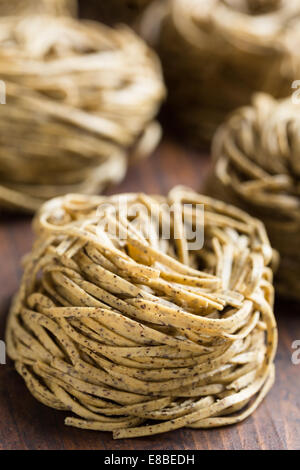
x,y
119,332
80,99
216,53
256,166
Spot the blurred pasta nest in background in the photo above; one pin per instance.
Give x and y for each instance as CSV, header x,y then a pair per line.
x,y
113,11
257,166
120,330
33,7
80,97
216,53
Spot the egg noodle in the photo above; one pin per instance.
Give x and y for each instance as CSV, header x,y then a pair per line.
x,y
33,7
81,99
216,53
256,154
123,333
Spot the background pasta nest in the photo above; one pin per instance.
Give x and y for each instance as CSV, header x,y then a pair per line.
x,y
216,53
120,325
257,166
79,97
114,11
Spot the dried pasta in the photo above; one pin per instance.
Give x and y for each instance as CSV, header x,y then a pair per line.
x,y
80,98
123,330
216,53
32,7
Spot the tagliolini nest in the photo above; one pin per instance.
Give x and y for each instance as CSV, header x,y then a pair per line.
x,y
216,53
33,7
257,166
124,329
79,98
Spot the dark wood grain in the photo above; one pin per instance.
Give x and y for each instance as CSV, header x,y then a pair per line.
x,y
27,424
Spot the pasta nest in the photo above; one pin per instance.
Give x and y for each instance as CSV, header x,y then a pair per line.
x,y
120,330
257,166
79,98
216,53
114,11
32,7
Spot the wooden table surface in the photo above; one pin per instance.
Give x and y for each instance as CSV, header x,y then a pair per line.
x,y
27,424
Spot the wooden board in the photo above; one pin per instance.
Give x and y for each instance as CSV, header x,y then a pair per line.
x,y
27,424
